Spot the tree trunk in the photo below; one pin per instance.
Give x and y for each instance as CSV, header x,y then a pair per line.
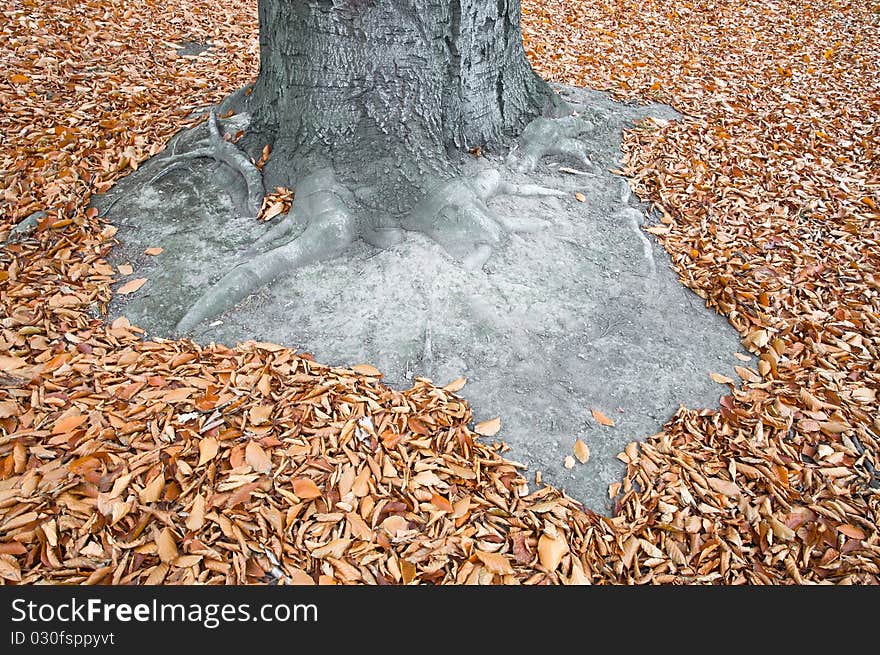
x,y
393,79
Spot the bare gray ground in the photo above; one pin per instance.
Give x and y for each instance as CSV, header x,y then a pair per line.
x,y
585,314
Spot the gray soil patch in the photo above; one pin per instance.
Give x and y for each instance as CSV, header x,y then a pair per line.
x,y
585,314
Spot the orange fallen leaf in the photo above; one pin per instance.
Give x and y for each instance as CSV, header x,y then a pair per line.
x,y
720,379
581,451
131,286
68,423
497,563
18,78
456,385
166,546
306,489
152,252
257,458
488,428
208,448
366,369
601,418
551,550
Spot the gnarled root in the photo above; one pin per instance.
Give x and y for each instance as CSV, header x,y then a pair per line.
x,y
323,204
456,216
552,136
221,150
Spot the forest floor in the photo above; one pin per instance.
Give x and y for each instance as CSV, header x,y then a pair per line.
x,y
131,461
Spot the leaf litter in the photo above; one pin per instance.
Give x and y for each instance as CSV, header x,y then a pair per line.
x,y
129,461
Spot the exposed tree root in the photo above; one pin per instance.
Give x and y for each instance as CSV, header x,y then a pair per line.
x,y
221,150
323,205
551,136
454,213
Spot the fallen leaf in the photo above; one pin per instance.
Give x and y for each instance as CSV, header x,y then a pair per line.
x,y
488,428
306,489
551,550
167,546
131,286
208,447
581,451
497,563
152,252
257,458
601,418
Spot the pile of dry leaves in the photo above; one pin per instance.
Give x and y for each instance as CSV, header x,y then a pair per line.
x,y
131,461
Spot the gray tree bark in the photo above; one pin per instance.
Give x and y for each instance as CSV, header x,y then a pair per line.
x,y
367,106
389,81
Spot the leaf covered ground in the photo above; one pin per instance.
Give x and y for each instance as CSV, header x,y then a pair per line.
x,y
131,461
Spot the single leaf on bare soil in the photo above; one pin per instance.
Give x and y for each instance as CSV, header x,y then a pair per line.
x,y
601,418
568,462
456,385
581,451
152,252
488,428
131,286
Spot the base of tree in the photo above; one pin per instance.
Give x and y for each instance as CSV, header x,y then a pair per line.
x,y
582,313
337,203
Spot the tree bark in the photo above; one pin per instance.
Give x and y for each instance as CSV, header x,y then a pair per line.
x,y
417,77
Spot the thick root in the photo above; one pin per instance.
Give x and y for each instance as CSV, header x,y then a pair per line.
x,y
322,204
545,137
221,150
456,216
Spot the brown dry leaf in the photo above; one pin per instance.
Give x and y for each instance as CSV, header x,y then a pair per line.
x,y
208,449
456,385
568,462
581,451
551,550
125,269
166,546
580,197
720,379
260,414
257,458
851,531
496,563
306,489
68,423
153,252
601,418
488,428
131,286
367,369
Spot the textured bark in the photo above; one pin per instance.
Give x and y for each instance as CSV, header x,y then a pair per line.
x,y
401,77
